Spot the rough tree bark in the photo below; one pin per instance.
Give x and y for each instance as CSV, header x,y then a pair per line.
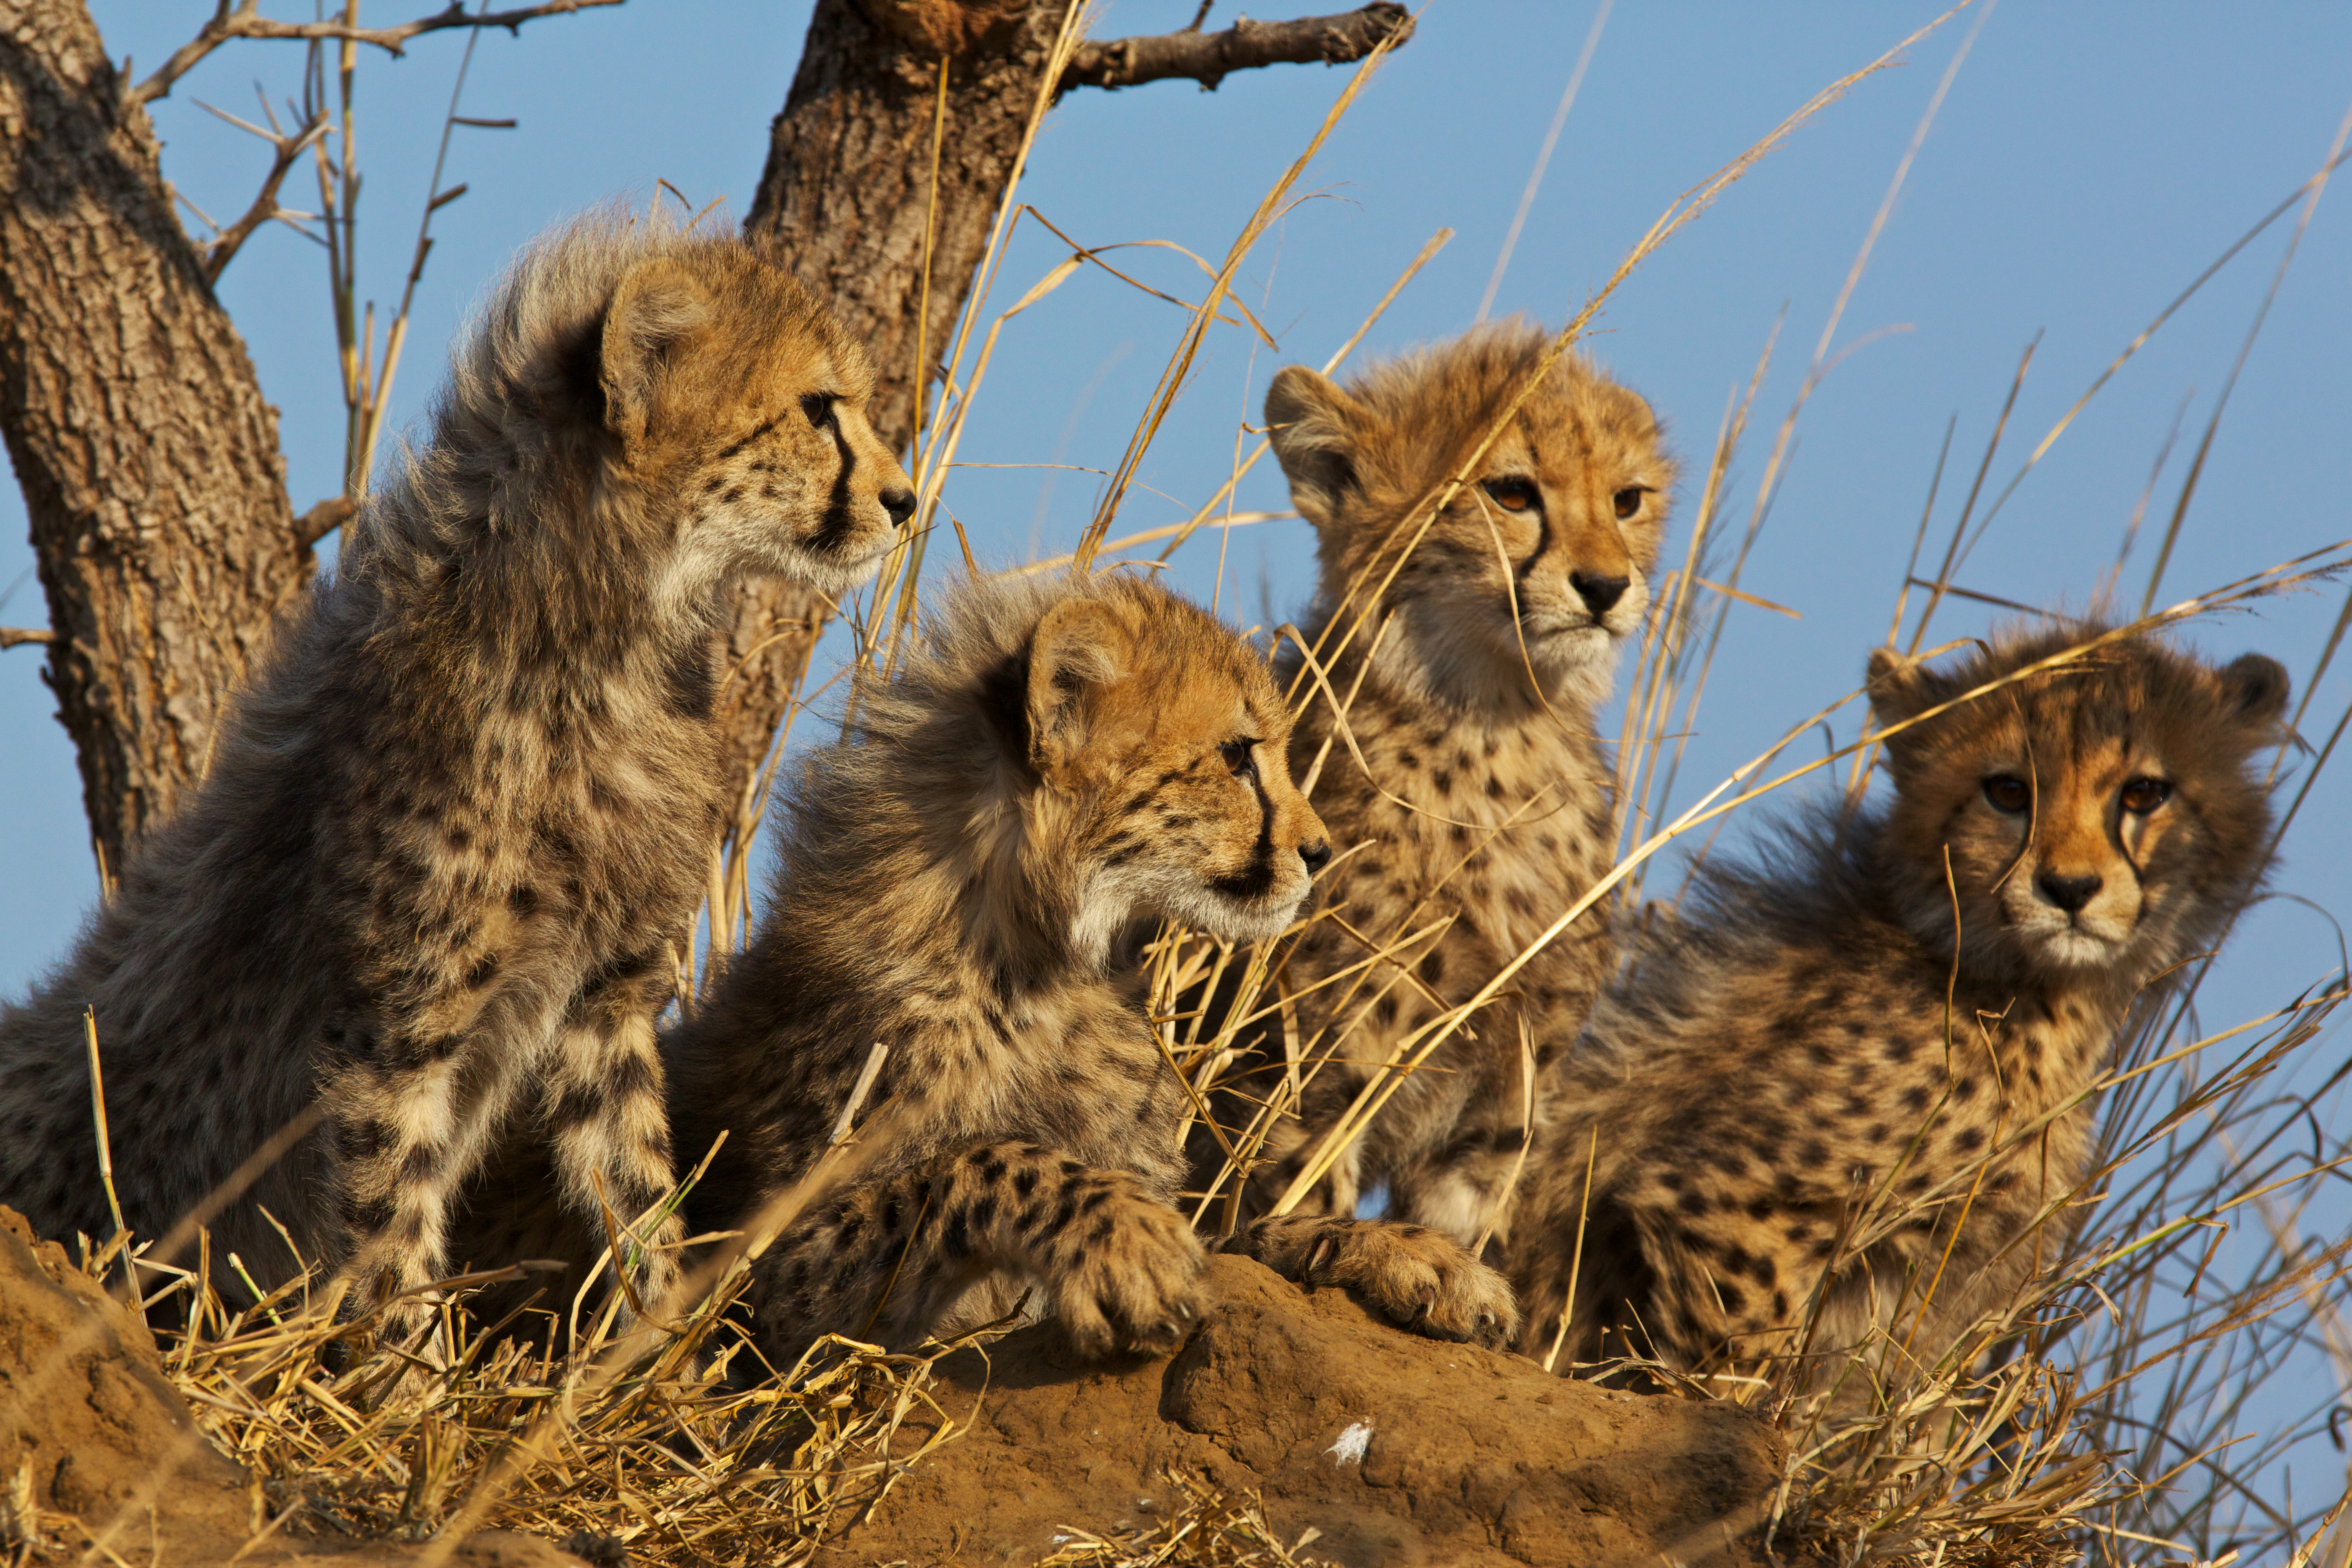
x,y
848,193
149,460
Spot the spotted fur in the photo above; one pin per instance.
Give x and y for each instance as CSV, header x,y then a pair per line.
x,y
1483,802
1061,763
1805,1050
431,883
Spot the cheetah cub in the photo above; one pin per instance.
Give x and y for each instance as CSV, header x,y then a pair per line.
x,y
1471,690
1806,1038
429,885
1060,761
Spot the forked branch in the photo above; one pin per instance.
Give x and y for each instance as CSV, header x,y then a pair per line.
x,y
1209,57
217,252
242,19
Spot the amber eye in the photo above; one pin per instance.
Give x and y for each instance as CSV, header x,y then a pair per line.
x,y
2142,795
818,406
1240,758
1628,502
2007,792
1512,495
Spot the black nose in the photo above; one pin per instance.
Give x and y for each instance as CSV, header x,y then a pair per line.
x,y
2069,893
1317,855
899,504
1599,593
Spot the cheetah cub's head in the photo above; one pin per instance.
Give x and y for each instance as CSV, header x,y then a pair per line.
x,y
1158,746
731,396
1540,564
2105,816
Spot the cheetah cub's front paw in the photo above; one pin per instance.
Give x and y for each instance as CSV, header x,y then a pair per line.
x,y
1126,1275
1418,1279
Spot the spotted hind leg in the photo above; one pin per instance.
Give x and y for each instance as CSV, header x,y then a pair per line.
x,y
608,1129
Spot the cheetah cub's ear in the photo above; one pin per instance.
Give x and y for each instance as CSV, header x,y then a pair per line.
x,y
1900,689
659,306
1081,645
2258,685
1313,426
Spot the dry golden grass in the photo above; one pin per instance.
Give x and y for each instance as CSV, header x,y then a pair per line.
x,y
558,1425
1212,1529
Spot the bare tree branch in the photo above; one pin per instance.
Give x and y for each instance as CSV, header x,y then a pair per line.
x,y
216,252
323,520
10,637
1209,57
242,19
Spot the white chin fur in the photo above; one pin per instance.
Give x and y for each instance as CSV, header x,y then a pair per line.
x,y
2074,948
1577,664
1234,919
1114,899
832,575
1582,664
713,557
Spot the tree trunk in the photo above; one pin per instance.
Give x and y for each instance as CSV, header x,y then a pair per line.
x,y
149,461
846,195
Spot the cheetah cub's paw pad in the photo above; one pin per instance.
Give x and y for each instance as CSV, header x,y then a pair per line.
x,y
1418,1279
1131,1277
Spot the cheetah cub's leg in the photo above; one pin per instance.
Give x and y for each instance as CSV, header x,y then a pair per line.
x,y
884,1259
1724,1288
1426,1281
608,1123
1466,1185
403,1141
1292,1145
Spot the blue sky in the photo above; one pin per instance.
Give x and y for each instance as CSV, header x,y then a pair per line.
x,y
2090,160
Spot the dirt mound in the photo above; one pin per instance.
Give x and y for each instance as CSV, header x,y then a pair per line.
x,y
99,1459
1398,1450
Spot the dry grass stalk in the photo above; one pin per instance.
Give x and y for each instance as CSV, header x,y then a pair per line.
x,y
679,1455
1212,1529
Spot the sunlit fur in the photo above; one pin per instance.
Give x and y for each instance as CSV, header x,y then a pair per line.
x,y
1484,594
2077,738
1052,768
1474,680
1809,1034
432,877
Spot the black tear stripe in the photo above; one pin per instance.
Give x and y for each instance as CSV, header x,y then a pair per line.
x,y
1544,533
1258,879
1526,569
839,525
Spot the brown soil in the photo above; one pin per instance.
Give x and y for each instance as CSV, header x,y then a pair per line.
x,y
100,1460
1467,1457
1461,1456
